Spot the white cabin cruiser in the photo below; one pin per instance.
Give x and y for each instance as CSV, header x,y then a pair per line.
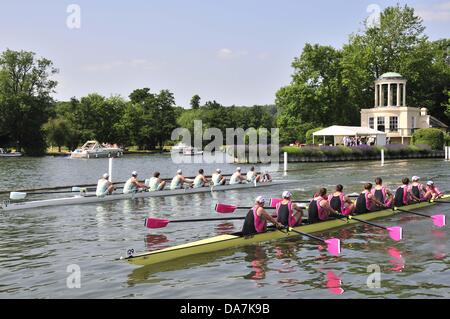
x,y
93,149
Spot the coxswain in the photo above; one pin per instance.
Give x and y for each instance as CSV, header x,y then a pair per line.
x,y
416,189
156,183
381,193
340,202
217,178
319,209
132,185
179,180
257,218
200,180
288,213
366,201
104,186
252,177
432,192
237,178
402,194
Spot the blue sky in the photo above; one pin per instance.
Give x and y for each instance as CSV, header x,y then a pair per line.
x,y
236,52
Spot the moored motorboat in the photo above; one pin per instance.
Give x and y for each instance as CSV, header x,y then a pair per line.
x,y
5,153
93,149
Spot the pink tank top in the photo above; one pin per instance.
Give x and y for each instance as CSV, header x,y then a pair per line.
x,y
260,223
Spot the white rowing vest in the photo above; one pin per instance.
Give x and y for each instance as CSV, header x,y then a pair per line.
x,y
102,187
251,176
235,179
216,178
198,181
154,185
129,187
176,182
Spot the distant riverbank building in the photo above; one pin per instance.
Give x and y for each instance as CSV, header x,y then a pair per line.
x,y
391,114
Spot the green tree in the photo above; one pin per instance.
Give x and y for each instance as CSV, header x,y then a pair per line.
x,y
195,102
57,131
25,101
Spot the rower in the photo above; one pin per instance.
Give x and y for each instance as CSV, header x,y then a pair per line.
x,y
156,183
341,203
319,209
366,201
132,185
104,186
200,180
289,213
266,177
252,177
381,193
416,189
237,178
402,194
432,192
179,180
217,178
257,218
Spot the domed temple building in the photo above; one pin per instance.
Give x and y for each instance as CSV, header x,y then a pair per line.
x,y
392,115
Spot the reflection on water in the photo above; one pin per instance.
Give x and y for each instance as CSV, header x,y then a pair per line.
x,y
37,245
398,262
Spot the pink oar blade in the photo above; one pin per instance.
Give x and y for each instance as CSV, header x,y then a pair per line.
x,y
333,246
395,233
156,223
274,201
438,220
225,209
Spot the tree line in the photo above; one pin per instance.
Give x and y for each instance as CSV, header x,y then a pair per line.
x,y
329,86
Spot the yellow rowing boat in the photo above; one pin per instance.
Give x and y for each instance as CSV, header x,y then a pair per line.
x,y
233,240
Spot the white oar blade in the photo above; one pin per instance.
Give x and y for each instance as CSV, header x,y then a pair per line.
x,y
17,195
76,189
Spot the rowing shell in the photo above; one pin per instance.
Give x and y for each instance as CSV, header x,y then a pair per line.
x,y
77,200
227,241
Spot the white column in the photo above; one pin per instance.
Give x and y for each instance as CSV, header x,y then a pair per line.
x,y
389,101
381,95
376,95
110,169
285,163
382,157
404,94
398,94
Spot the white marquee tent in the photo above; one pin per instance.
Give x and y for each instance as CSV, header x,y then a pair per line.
x,y
351,131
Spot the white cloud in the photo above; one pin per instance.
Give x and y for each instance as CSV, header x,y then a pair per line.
x,y
226,54
438,12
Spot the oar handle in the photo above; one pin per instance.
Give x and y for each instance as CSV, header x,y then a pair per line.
x,y
350,217
408,211
205,219
305,234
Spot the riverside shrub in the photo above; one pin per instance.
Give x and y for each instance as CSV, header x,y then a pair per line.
x,y
429,136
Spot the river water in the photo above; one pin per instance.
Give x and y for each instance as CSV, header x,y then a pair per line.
x,y
39,246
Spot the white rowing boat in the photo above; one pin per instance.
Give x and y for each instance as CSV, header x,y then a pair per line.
x,y
7,205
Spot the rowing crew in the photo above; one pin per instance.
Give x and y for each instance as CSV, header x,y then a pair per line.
x,y
179,181
336,205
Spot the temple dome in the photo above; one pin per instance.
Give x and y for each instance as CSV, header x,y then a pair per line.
x,y
391,75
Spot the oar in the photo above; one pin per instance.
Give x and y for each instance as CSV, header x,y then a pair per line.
x,y
226,208
395,232
333,244
439,201
22,195
161,223
438,220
